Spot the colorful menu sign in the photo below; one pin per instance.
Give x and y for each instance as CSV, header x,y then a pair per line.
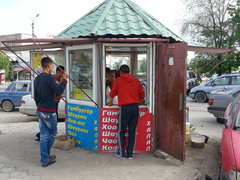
x,y
97,129
82,123
109,130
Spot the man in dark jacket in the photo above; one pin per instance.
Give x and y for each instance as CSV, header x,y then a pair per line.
x,y
130,94
58,77
45,89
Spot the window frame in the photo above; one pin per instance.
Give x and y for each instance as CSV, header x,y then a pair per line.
x,y
149,54
94,64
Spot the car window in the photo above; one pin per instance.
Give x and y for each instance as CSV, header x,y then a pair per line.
x,y
234,108
209,83
233,112
21,87
236,94
221,81
13,88
236,80
9,87
237,122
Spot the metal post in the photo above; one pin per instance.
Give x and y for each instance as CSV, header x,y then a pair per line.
x,y
33,35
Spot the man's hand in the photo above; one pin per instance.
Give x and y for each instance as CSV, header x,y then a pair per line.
x,y
65,75
110,103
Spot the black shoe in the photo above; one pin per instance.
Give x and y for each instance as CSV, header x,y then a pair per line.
x,y
129,157
52,158
38,137
49,163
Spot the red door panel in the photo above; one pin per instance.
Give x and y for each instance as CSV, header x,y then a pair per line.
x,y
170,99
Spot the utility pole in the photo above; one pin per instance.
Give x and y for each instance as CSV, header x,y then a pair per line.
x,y
33,21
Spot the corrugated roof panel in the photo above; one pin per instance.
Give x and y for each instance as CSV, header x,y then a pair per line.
x,y
117,17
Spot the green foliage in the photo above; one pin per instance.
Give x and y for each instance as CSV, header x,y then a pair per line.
x,y
210,64
6,64
234,21
214,23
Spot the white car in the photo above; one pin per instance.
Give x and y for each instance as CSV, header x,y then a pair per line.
x,y
29,108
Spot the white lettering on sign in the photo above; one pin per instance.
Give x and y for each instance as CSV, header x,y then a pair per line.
x,y
141,114
148,142
148,136
107,120
109,148
110,113
108,133
109,141
148,123
148,148
149,130
109,127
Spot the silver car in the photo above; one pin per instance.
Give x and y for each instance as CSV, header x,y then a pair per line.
x,y
219,100
227,82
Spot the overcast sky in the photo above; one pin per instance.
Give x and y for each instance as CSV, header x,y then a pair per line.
x,y
56,15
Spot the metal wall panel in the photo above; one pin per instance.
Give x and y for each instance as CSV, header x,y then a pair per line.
x,y
170,100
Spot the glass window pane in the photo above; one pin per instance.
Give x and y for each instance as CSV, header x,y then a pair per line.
x,y
221,81
237,123
81,70
13,88
236,80
21,87
135,58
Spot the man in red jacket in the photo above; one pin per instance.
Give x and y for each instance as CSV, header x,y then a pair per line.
x,y
130,94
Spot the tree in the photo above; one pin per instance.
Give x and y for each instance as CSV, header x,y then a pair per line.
x,y
6,64
235,22
213,24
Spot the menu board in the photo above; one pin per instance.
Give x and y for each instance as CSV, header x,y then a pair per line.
x,y
82,123
109,130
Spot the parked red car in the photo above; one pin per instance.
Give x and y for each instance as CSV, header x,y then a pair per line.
x,y
230,145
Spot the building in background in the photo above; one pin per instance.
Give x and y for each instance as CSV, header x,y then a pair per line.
x,y
19,72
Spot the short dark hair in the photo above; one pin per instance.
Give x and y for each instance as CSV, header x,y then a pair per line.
x,y
108,69
60,68
124,69
45,61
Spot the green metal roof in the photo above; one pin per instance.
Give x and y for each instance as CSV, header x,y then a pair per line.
x,y
117,18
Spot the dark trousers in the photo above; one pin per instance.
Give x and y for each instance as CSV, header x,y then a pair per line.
x,y
128,118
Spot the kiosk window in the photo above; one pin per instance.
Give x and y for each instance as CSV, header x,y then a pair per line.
x,y
136,58
81,70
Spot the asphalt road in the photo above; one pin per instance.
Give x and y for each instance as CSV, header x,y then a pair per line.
x,y
204,122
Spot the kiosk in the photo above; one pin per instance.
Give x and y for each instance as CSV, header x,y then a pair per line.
x,y
119,32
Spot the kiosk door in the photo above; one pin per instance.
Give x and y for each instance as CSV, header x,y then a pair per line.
x,y
170,99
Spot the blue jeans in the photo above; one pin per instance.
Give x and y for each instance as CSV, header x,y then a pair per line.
x,y
48,132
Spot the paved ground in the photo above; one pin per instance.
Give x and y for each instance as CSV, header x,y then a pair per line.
x,y
19,155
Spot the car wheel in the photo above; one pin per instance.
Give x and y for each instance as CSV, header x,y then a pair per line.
x,y
7,106
221,120
201,97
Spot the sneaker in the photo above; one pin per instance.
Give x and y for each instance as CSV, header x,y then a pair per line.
x,y
117,154
49,163
129,157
